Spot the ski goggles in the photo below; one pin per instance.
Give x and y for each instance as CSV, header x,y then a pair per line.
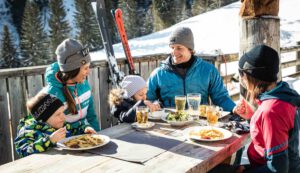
x,y
83,53
248,70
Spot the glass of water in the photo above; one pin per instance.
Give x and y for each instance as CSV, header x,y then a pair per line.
x,y
194,100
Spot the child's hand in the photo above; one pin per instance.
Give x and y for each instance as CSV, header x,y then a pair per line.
x,y
243,109
89,130
152,106
58,135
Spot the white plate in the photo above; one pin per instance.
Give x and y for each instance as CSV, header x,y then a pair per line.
x,y
227,134
177,123
156,115
143,126
104,138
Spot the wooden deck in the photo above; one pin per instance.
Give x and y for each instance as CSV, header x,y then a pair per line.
x,y
16,85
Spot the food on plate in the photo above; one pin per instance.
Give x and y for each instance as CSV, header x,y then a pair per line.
x,y
177,116
208,134
83,141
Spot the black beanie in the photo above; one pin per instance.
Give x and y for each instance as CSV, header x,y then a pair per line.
x,y
262,63
45,108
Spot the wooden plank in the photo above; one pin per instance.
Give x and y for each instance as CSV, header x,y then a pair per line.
x,y
152,66
105,117
137,67
5,128
17,101
298,57
144,70
35,84
93,80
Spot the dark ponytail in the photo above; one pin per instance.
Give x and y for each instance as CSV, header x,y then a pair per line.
x,y
64,77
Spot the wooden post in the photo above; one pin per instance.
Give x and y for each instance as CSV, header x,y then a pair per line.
x,y
298,58
259,30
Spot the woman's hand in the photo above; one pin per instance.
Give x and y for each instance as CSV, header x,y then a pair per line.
x,y
89,130
58,135
243,109
152,106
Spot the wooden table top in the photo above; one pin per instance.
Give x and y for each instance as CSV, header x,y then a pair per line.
x,y
188,156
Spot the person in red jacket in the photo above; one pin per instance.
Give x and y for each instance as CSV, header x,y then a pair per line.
x,y
274,126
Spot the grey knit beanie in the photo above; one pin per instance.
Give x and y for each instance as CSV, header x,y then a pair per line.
x,y
71,55
184,36
132,84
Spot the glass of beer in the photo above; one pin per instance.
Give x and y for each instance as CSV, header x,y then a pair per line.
x,y
142,114
193,100
202,110
213,113
180,101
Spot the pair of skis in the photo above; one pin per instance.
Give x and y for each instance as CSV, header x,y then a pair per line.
x,y
116,76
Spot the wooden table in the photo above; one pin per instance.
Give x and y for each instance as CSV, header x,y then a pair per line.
x,y
188,156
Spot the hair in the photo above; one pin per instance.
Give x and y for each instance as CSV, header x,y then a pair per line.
x,y
116,96
192,51
259,87
34,100
64,77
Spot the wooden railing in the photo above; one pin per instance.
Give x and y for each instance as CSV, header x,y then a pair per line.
x,y
16,85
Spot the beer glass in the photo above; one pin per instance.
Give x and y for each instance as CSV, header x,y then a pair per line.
x,y
180,101
142,114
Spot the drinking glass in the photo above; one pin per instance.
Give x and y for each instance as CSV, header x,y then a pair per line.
x,y
142,114
213,113
194,100
180,102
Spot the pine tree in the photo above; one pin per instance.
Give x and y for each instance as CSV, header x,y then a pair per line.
x,y
89,33
8,51
34,44
59,26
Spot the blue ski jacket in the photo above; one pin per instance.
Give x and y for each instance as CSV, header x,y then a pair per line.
x,y
202,77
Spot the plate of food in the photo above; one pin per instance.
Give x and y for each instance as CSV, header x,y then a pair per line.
x,y
156,115
207,133
143,126
177,118
83,142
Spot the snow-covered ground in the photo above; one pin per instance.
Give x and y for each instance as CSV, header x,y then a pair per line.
x,y
217,29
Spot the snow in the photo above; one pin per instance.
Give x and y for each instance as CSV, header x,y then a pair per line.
x,y
217,29
6,19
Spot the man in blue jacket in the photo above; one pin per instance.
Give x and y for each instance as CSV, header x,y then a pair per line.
x,y
183,72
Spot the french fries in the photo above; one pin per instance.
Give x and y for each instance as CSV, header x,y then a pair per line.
x,y
208,134
83,141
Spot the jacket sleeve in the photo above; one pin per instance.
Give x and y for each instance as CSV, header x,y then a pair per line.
x,y
152,86
125,112
76,128
27,143
91,115
275,163
218,92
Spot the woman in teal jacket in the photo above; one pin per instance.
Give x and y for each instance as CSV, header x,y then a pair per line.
x,y
183,73
66,80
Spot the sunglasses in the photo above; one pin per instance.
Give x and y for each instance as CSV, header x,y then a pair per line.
x,y
83,53
245,70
